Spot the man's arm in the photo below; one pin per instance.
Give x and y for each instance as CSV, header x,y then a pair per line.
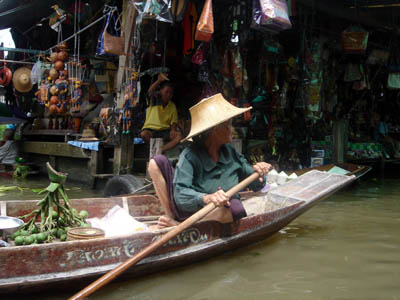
x,y
161,78
174,131
174,127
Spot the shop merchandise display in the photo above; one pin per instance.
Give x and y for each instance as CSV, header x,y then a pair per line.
x,y
301,79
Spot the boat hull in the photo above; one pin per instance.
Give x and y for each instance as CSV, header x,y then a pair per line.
x,y
72,264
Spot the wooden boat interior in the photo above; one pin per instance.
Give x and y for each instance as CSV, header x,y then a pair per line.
x,y
147,208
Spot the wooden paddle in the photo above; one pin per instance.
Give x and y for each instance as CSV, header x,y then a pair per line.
x,y
106,278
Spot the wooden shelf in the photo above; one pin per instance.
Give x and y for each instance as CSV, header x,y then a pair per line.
x,y
50,132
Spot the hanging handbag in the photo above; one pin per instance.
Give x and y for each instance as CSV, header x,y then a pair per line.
x,y
108,43
352,72
355,40
378,57
203,75
154,9
270,16
275,14
393,81
205,26
199,56
114,44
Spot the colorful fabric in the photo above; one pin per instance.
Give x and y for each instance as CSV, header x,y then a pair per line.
x,y
85,145
189,28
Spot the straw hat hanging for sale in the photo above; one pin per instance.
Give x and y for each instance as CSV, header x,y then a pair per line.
x,y
22,80
210,112
88,135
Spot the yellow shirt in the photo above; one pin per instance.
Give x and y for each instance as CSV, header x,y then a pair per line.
x,y
159,117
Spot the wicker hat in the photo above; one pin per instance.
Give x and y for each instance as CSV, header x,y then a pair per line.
x,y
210,112
22,80
88,135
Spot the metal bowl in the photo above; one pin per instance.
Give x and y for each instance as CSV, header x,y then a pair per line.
x,y
9,225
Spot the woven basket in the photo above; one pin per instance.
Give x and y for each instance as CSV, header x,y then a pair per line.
x,y
85,233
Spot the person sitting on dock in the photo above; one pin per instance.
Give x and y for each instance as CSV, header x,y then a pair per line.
x,y
391,145
206,169
8,148
161,116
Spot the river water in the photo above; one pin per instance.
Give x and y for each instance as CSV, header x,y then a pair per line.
x,y
346,247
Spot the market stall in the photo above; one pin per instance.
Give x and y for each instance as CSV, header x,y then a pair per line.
x,y
318,81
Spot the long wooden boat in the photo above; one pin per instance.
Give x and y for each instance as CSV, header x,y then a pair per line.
x,y
72,264
351,169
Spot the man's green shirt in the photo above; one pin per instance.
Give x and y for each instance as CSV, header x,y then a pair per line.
x,y
197,175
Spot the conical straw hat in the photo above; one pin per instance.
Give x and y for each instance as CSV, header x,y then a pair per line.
x,y
210,112
22,80
88,135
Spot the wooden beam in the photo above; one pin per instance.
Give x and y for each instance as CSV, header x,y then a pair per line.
x,y
128,26
123,154
54,149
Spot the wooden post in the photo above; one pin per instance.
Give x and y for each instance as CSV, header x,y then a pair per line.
x,y
127,153
128,25
340,139
123,154
117,159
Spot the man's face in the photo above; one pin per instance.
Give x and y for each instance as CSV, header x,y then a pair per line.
x,y
166,94
225,132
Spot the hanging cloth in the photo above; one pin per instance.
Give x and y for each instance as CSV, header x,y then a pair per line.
x,y
189,27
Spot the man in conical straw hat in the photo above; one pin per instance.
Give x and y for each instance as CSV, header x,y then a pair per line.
x,y
206,169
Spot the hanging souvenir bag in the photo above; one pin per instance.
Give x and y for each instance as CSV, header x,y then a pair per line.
x,y
205,26
199,55
154,9
203,75
275,14
378,57
107,43
355,40
270,15
100,40
36,73
352,72
114,44
393,81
